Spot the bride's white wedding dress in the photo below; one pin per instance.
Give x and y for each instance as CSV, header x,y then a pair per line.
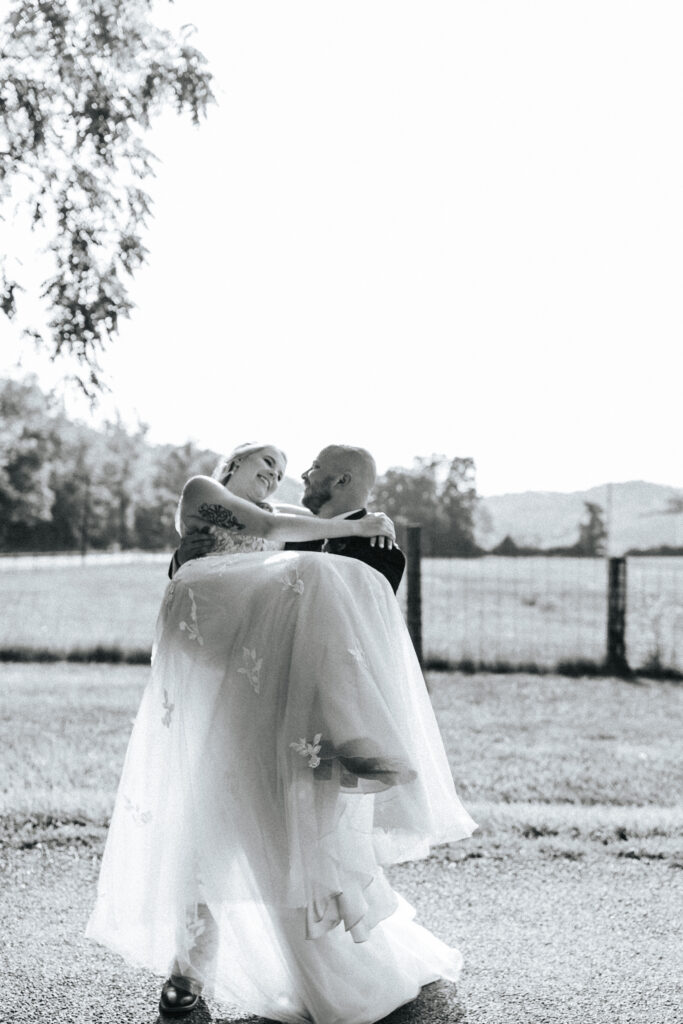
x,y
284,751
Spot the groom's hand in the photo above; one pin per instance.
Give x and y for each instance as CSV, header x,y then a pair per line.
x,y
382,542
379,528
194,545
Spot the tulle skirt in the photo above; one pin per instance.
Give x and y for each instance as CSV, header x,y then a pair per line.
x,y
285,750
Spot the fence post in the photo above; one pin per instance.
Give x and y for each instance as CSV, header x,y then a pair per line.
x,y
616,617
414,595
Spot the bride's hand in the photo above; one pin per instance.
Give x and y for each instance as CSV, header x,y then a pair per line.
x,y
378,527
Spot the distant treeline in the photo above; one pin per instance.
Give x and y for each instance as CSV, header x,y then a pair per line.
x,y
67,486
660,550
508,548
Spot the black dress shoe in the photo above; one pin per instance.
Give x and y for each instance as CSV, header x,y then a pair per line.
x,y
176,1001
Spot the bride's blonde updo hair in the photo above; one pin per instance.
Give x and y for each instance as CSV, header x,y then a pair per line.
x,y
229,463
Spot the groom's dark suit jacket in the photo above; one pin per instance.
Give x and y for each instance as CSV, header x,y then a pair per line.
x,y
390,562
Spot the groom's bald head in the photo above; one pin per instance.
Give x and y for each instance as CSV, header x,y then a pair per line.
x,y
339,480
357,463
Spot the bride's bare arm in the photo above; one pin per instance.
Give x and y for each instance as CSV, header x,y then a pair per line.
x,y
294,510
206,502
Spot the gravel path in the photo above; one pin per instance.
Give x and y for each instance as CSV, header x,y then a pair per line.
x,y
548,937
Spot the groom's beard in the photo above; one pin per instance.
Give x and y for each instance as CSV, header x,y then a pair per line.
x,y
317,495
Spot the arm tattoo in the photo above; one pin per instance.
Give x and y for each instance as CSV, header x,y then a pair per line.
x,y
218,515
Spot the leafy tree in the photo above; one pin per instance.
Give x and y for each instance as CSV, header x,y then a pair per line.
x,y
154,518
410,496
26,456
66,486
406,494
439,494
82,499
80,83
459,500
592,532
506,547
125,465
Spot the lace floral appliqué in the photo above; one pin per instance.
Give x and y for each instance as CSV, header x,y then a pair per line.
x,y
168,709
309,750
252,668
357,653
291,580
231,543
138,816
192,627
170,591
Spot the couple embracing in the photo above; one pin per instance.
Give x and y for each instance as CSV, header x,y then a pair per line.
x,y
285,750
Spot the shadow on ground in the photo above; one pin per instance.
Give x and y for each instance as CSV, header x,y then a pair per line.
x,y
437,1004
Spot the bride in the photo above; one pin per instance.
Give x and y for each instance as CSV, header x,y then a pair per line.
x,y
285,750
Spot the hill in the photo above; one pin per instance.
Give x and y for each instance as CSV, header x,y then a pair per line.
x,y
641,516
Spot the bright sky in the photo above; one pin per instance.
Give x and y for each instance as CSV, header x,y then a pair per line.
x,y
422,227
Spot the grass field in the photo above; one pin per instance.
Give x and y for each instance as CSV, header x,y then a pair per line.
x,y
493,610
580,758
68,605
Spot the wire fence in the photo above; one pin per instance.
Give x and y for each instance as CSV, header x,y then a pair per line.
x,y
654,613
542,612
489,612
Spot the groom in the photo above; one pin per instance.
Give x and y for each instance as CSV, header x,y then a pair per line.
x,y
338,482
